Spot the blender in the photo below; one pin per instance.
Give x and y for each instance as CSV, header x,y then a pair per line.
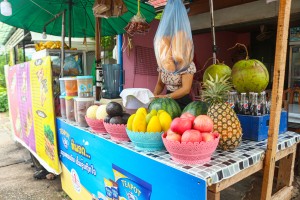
x,y
112,74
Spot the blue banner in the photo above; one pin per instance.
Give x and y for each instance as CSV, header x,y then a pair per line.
x,y
97,168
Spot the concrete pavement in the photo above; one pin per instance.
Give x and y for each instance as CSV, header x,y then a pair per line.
x,y
16,173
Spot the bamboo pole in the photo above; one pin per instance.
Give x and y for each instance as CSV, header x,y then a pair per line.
x,y
277,90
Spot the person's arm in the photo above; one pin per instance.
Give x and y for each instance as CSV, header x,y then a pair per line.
x,y
187,80
159,86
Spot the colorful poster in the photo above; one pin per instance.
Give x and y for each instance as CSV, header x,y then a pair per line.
x,y
43,113
25,106
12,92
94,167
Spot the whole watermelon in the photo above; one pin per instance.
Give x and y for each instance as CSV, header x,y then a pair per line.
x,y
196,108
220,68
250,75
167,104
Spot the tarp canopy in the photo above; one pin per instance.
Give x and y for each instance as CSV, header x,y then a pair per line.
x,y
33,14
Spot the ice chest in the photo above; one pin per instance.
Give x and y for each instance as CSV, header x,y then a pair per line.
x,y
256,127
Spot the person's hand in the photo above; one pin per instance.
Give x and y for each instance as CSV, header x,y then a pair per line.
x,y
160,96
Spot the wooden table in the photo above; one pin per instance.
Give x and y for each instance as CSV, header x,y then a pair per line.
x,y
286,158
294,113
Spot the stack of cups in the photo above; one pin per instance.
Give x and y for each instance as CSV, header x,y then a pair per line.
x,y
84,100
68,90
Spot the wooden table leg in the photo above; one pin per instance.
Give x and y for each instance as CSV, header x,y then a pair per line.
x,y
213,196
286,171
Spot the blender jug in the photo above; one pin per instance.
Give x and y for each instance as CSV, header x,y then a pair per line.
x,y
111,86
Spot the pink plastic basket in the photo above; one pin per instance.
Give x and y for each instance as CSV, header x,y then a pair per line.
x,y
117,131
96,125
190,153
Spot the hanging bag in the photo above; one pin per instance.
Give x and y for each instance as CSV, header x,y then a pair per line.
x,y
173,43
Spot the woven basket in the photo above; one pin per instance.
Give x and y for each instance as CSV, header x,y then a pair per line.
x,y
96,125
117,131
146,141
190,153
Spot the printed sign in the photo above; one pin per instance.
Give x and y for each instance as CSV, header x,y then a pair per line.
x,y
43,112
31,109
94,167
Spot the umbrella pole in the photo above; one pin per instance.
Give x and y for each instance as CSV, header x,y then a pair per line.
x,y
70,20
62,46
211,5
99,70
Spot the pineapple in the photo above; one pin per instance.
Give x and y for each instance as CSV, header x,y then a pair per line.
x,y
225,120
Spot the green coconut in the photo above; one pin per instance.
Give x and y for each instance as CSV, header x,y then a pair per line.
x,y
219,69
249,75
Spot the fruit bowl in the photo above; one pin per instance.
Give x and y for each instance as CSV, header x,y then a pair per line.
x,y
117,131
146,141
190,153
96,125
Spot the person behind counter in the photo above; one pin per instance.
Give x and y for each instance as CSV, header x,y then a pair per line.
x,y
178,85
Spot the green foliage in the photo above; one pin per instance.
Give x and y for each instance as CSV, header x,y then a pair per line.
x,y
49,133
3,100
107,42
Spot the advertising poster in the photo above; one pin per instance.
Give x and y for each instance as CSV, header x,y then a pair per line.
x,y
12,92
96,168
43,114
25,106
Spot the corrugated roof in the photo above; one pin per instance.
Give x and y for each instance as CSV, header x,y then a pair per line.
x,y
5,32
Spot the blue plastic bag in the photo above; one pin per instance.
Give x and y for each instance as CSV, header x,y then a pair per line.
x,y
173,42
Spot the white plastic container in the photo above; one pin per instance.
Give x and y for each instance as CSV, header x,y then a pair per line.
x,y
62,101
85,86
81,105
70,108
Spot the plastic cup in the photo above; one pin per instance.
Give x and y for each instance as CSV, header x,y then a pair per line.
x,y
82,104
85,86
62,106
62,86
71,86
70,108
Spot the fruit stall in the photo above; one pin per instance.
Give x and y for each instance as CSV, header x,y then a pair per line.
x,y
138,147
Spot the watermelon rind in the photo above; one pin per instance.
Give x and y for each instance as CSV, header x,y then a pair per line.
x,y
196,108
167,104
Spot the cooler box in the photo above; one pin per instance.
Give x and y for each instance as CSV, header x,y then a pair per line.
x,y
256,127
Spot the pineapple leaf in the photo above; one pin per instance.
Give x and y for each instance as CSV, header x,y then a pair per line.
x,y
216,90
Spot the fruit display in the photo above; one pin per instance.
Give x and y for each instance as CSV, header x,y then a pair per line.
x,y
224,118
167,104
196,108
114,114
94,118
219,69
249,75
145,128
188,128
91,111
154,121
50,45
101,112
190,139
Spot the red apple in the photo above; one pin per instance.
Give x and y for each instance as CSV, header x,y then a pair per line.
x,y
180,125
174,137
215,134
188,116
203,123
191,136
206,137
169,132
